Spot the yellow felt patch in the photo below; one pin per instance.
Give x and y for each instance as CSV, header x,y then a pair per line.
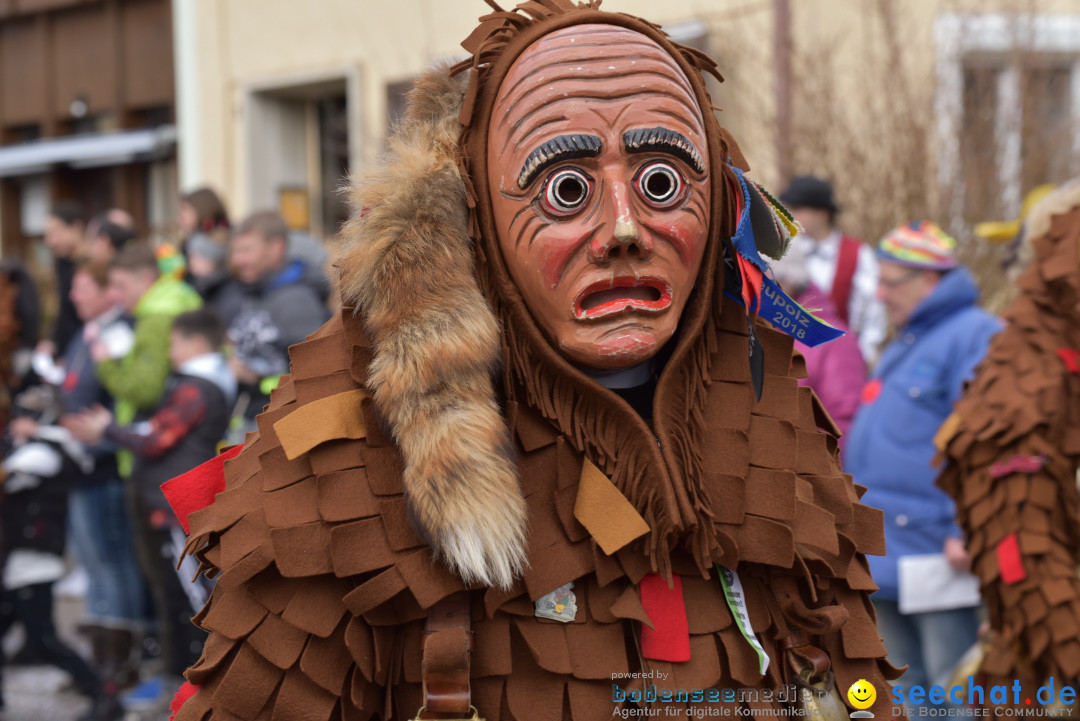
x,y
946,432
781,215
326,419
791,226
604,511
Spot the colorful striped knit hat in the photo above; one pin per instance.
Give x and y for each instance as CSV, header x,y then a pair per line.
x,y
919,244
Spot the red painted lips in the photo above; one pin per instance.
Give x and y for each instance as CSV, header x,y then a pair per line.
x,y
607,297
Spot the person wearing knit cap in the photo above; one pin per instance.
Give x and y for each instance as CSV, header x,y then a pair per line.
x,y
843,267
942,334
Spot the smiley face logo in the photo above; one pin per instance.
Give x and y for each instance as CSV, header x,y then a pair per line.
x,y
862,694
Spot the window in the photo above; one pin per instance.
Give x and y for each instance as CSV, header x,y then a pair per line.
x,y
299,153
1008,109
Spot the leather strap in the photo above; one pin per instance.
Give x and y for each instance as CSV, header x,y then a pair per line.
x,y
809,663
447,643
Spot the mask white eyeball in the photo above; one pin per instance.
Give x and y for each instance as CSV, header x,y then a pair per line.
x,y
660,184
565,192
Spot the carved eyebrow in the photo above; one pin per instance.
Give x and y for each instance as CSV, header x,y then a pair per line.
x,y
644,140
556,150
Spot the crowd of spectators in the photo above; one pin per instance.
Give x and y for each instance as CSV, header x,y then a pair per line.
x,y
156,357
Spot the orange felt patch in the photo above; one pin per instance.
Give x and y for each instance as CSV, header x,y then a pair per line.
x,y
604,511
327,419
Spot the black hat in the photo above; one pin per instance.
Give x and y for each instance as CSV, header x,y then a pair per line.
x,y
806,191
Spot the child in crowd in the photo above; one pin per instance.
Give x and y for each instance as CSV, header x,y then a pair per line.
x,y
136,379
183,432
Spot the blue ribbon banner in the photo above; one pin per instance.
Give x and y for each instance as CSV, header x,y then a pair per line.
x,y
786,315
743,240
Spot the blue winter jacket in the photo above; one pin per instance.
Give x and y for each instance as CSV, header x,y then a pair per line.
x,y
889,449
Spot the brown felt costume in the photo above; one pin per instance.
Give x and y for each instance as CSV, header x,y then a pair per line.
x,y
1013,446
486,456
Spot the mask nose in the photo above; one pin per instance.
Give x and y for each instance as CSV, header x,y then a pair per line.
x,y
626,241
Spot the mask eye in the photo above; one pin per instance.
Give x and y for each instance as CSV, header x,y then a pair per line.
x,y
660,184
565,192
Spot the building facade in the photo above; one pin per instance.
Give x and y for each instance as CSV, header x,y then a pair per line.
x,y
925,107
86,113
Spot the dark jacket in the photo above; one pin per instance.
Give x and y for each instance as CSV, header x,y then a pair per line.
x,y
280,311
183,432
67,320
27,302
33,510
221,293
81,389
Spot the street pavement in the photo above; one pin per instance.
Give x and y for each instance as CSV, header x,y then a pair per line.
x,y
43,693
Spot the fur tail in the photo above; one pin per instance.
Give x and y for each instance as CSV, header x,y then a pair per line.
x,y
408,267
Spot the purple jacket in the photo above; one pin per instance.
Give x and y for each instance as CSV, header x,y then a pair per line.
x,y
837,370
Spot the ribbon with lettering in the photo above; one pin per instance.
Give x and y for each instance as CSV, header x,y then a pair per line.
x,y
787,316
736,601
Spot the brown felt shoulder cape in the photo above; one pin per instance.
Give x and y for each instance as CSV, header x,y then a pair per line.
x,y
424,436
1013,446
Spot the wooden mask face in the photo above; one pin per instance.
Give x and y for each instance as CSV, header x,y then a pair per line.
x,y
599,182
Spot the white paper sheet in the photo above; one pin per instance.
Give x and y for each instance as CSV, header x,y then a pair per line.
x,y
929,583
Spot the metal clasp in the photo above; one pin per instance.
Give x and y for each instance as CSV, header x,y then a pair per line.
x,y
474,717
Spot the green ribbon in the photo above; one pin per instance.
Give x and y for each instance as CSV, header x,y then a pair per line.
x,y
736,601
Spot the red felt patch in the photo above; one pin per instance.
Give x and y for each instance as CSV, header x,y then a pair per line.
x,y
186,691
751,285
197,488
870,391
1009,561
670,640
1071,359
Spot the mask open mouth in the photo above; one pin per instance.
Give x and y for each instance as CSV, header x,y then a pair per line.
x,y
649,295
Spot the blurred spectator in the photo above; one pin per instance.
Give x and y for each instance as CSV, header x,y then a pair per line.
x,y
208,274
943,335
27,302
309,251
183,432
836,370
120,217
105,239
97,516
282,308
20,316
135,376
43,459
64,238
202,211
1016,254
842,267
115,216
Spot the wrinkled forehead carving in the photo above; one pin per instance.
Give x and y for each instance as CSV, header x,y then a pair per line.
x,y
600,65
